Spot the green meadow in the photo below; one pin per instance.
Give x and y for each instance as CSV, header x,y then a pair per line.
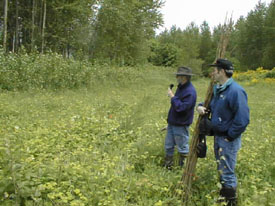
x,y
103,145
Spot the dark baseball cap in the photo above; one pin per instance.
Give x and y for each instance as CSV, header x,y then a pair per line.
x,y
223,63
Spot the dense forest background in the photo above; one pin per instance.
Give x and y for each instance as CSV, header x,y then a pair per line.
x,y
124,33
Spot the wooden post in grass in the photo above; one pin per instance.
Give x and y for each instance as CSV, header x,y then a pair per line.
x,y
189,171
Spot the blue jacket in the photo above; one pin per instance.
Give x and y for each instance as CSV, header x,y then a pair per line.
x,y
181,112
229,111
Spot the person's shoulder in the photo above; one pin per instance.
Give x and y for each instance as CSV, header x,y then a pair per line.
x,y
191,85
192,88
237,90
236,87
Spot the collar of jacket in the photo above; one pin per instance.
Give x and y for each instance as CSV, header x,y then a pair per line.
x,y
181,86
219,88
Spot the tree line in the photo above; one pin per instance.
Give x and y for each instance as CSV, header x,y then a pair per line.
x,y
101,30
251,44
123,33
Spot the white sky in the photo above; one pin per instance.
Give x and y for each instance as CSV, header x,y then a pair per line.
x,y
182,12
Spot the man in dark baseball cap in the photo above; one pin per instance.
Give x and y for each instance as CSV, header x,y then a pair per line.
x,y
229,119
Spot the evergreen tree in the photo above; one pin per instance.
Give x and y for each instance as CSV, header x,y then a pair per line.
x,y
251,38
205,40
206,46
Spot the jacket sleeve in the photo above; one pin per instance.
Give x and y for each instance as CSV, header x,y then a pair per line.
x,y
183,104
241,114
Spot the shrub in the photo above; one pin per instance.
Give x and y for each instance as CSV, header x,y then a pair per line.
x,y
50,71
255,76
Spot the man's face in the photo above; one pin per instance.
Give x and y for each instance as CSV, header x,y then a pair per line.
x,y
218,74
181,79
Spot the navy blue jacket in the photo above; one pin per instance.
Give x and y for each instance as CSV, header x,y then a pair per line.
x,y
181,112
229,111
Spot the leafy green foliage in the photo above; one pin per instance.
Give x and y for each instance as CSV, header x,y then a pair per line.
x,y
123,28
177,48
51,71
68,25
164,54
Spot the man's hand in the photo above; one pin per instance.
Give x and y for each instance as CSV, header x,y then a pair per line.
x,y
170,93
201,110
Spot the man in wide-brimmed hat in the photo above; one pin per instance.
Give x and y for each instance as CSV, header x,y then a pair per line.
x,y
229,118
180,117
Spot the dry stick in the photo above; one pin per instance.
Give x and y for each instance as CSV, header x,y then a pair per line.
x,y
189,172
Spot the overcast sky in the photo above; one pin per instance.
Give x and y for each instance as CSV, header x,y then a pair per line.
x,y
182,12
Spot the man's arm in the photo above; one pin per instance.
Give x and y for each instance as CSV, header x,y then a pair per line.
x,y
183,104
241,118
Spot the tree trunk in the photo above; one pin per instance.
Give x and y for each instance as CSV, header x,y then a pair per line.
x,y
41,16
33,24
43,27
13,42
16,29
5,25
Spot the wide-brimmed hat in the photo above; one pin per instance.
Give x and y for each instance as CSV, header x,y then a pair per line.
x,y
184,71
223,63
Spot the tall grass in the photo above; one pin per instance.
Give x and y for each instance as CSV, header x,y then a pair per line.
x,y
102,145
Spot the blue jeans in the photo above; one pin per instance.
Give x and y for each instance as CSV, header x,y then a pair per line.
x,y
226,156
177,135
